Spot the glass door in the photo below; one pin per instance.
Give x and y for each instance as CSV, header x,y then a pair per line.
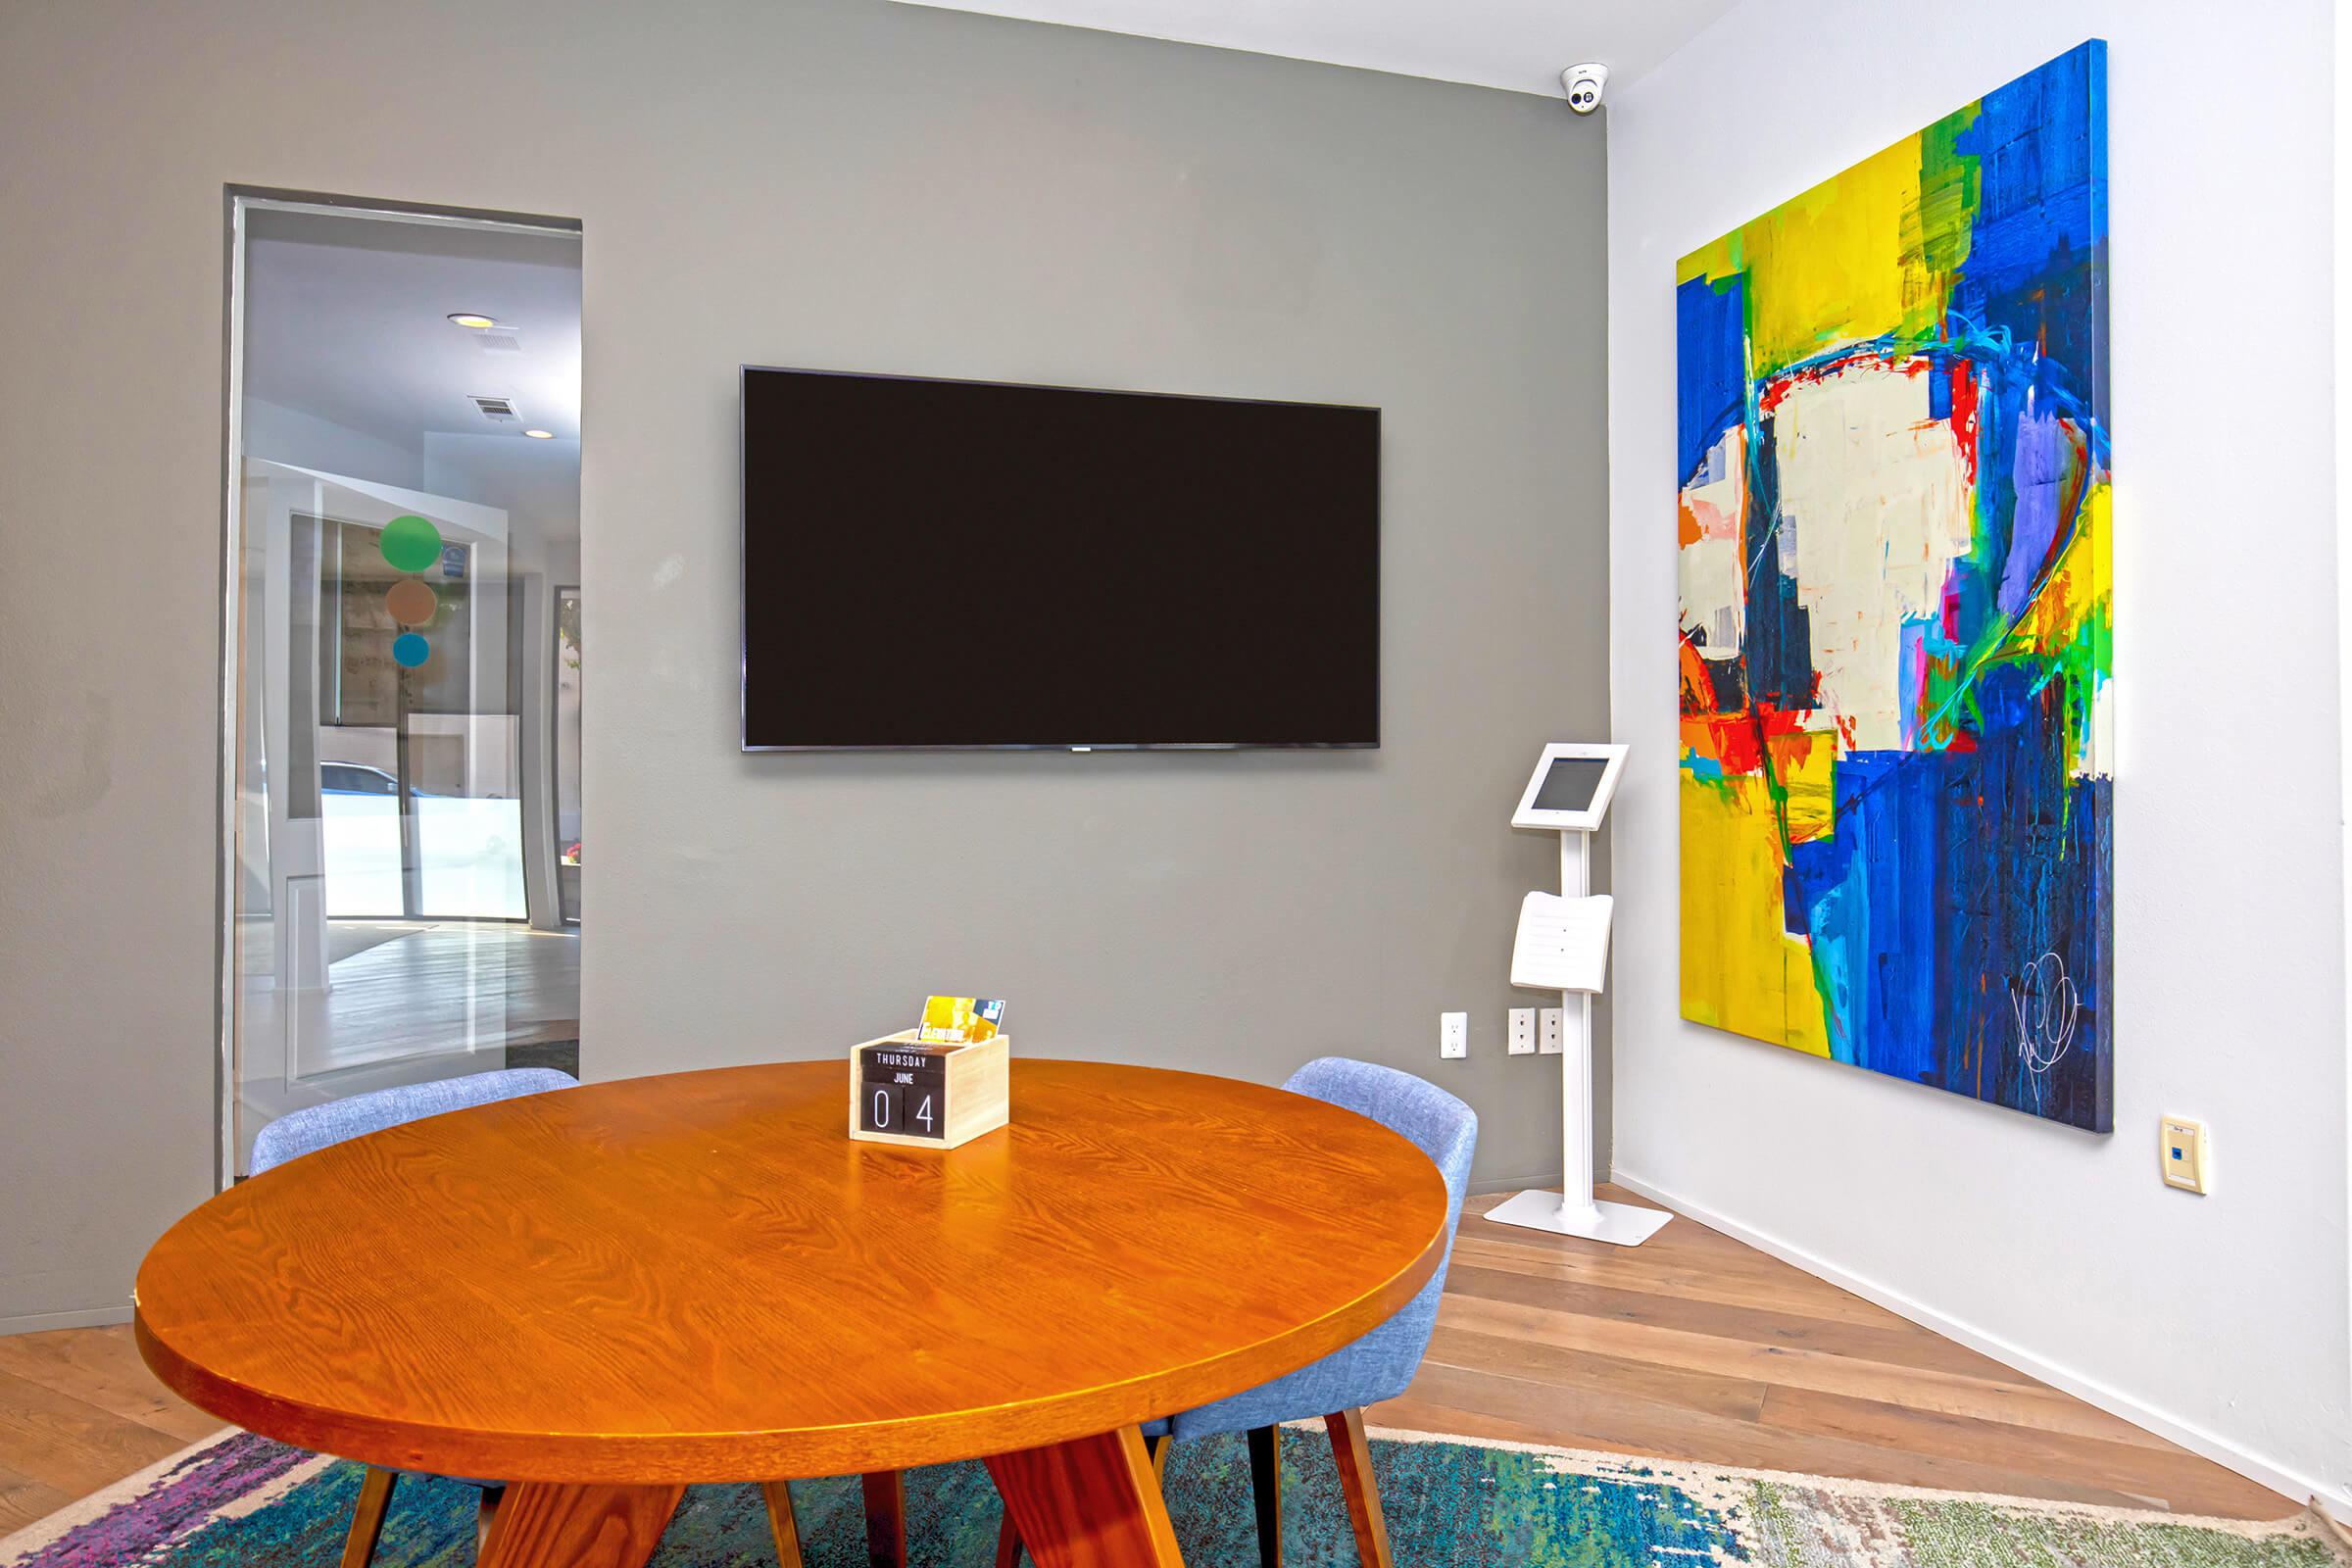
x,y
406,397
379,749
420,786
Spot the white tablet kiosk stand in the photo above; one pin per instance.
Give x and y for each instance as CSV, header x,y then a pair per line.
x,y
1563,944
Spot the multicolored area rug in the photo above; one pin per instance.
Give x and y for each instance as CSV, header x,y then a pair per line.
x,y
243,1500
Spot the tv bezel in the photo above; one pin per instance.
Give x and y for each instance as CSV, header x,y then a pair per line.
x,y
743,594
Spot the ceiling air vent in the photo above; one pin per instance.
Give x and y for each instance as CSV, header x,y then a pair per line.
x,y
498,410
500,340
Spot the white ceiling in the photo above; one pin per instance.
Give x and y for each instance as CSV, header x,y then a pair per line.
x,y
1520,46
346,318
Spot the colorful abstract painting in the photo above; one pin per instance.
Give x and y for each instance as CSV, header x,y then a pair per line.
x,y
1896,643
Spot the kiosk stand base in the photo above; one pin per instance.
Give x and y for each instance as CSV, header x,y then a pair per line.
x,y
1619,1224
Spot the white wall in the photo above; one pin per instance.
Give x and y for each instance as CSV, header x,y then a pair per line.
x,y
2342,188
303,439
2221,1319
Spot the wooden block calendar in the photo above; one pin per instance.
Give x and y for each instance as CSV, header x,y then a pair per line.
x,y
931,1095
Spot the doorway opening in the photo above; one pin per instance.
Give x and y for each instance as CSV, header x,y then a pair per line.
x,y
400,832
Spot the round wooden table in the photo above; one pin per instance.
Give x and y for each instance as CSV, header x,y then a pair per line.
x,y
602,1294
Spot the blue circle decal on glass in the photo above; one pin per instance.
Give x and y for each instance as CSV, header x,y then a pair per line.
x,y
409,649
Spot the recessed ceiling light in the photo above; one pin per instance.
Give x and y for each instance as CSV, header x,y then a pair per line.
x,y
540,436
474,319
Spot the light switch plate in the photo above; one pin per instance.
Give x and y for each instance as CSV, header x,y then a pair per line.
x,y
1454,1034
1523,1030
2182,1156
1547,1031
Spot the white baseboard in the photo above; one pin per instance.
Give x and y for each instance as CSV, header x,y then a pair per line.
x,y
2287,1483
87,1318
1549,1180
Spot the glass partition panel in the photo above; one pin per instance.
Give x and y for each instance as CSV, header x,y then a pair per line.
x,y
398,911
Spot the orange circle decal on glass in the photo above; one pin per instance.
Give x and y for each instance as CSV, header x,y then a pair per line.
x,y
411,602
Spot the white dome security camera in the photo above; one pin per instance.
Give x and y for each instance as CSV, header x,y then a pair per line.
x,y
1585,84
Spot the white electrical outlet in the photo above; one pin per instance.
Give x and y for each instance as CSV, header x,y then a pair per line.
x,y
1454,1034
1523,1030
1548,1031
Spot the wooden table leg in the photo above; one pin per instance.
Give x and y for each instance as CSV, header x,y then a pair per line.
x,y
1092,1504
1009,1535
543,1525
885,1518
782,1523
368,1519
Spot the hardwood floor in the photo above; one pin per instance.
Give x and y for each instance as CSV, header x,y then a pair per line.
x,y
410,1001
1699,1347
1693,1347
78,1411
452,986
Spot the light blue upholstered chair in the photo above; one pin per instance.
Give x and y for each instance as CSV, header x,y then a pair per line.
x,y
317,1127
1374,1368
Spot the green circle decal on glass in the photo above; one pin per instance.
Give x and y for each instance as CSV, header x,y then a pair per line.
x,y
410,543
409,649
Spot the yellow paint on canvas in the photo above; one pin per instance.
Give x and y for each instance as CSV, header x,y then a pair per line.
x,y
1742,971
1843,262
1805,763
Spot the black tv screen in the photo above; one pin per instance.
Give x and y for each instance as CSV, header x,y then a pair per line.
x,y
965,565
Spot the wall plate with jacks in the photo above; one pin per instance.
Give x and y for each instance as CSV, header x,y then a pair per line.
x,y
1523,1032
2182,1156
1547,1031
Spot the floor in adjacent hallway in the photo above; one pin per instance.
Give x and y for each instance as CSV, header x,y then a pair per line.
x,y
1694,1347
404,991
409,1001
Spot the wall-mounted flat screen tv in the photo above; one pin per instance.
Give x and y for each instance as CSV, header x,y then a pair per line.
x,y
961,564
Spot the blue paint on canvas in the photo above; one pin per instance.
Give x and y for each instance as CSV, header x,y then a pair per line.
x,y
1896,791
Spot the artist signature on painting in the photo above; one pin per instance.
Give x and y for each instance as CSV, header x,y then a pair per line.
x,y
2044,1001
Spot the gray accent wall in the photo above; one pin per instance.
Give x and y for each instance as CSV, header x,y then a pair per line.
x,y
838,183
